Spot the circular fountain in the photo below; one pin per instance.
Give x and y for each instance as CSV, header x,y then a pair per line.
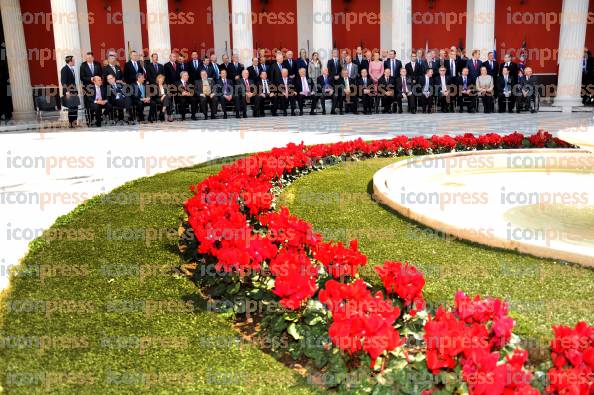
x,y
536,201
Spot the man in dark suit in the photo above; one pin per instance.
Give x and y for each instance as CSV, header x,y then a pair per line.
x,y
511,66
90,69
254,69
325,88
140,97
414,69
305,89
505,91
96,98
343,93
334,66
185,96
492,66
443,90
291,65
216,69
263,66
234,68
132,68
425,90
69,90
118,99
194,66
245,94
224,64
365,89
474,65
286,94
359,60
404,91
208,67
113,68
276,69
225,89
205,91
266,93
587,76
392,63
181,61
465,87
385,87
453,66
528,90
154,68
172,70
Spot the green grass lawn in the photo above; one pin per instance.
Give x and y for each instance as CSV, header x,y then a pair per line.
x,y
93,310
541,292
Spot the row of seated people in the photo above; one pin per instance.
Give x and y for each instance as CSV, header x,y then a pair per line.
x,y
207,94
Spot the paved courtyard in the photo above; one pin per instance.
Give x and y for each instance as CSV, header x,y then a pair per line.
x,y
46,173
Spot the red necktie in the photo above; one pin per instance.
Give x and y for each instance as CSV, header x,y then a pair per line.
x,y
174,66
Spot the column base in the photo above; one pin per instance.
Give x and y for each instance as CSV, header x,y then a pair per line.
x,y
24,116
567,103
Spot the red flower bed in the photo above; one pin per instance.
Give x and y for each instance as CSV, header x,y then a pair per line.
x,y
236,225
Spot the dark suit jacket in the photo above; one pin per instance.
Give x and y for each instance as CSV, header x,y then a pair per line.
x,y
234,71
334,69
68,81
136,94
229,90
472,70
130,72
152,73
194,71
434,66
400,85
530,85
86,74
112,93
418,71
339,85
320,83
361,64
421,84
469,84
398,66
240,89
275,74
91,92
492,71
501,84
362,85
302,64
199,86
458,64
385,85
513,70
437,84
299,85
291,67
108,70
254,71
210,72
171,73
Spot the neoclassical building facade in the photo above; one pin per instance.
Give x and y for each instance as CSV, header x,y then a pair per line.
x,y
40,33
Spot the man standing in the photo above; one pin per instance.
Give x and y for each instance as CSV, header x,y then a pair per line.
x,y
511,66
474,65
334,66
392,63
113,68
492,66
172,70
132,68
194,66
352,69
89,69
70,97
291,65
154,69
234,68
413,69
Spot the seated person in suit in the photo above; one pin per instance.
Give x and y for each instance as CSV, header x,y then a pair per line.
x,y
140,97
160,101
505,90
485,88
404,91
528,90
425,91
185,96
325,88
244,94
343,93
265,93
207,95
224,90
97,102
465,92
365,89
286,93
443,92
305,91
118,99
385,88
69,90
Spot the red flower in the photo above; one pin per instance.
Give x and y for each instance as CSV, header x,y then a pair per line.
x,y
403,280
295,278
339,260
514,140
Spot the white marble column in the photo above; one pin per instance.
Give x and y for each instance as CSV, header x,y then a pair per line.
x,y
480,27
305,25
132,26
243,40
386,24
159,35
83,26
18,64
66,34
571,51
402,29
220,22
322,29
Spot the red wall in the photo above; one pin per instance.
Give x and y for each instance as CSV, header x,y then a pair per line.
x,y
542,40
190,25
107,29
364,28
275,25
39,36
443,25
143,29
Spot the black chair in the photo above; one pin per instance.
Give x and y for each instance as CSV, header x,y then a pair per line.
x,y
46,104
528,103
